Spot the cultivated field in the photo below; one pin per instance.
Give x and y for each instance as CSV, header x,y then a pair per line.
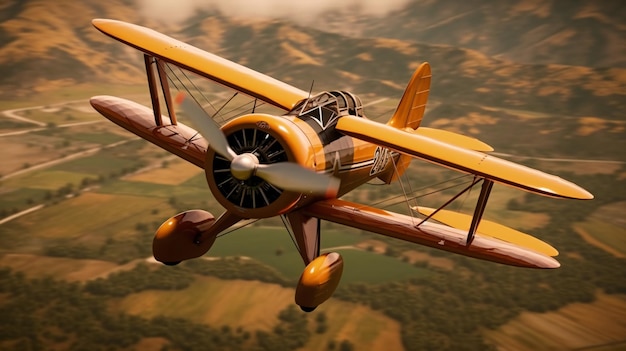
x,y
253,306
596,326
105,204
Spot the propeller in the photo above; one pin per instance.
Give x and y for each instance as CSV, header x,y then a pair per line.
x,y
285,175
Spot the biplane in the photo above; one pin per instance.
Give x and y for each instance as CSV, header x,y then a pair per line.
x,y
299,164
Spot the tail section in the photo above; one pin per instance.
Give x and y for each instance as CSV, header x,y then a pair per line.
x,y
410,110
409,114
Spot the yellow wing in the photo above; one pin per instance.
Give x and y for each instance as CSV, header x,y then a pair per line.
x,y
452,138
489,228
213,67
461,159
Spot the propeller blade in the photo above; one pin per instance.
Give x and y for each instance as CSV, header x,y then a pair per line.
x,y
208,128
293,177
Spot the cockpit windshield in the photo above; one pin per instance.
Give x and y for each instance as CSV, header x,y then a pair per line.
x,y
327,106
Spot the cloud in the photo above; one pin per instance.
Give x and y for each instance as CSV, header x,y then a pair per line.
x,y
175,11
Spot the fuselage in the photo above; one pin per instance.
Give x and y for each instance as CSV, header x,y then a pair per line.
x,y
306,135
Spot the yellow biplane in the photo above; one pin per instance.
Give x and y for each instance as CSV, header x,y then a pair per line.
x,y
298,165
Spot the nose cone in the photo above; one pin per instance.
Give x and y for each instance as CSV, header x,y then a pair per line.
x,y
243,166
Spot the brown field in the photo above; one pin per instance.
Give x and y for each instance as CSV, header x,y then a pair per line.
x,y
17,155
176,173
592,326
59,268
253,305
365,328
432,261
210,300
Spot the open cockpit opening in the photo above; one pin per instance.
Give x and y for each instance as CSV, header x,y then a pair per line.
x,y
329,104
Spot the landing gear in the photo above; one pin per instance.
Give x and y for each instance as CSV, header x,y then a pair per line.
x,y
308,309
176,239
319,281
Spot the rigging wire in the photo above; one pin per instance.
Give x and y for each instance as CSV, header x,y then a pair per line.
x,y
225,115
395,169
467,195
290,231
197,89
237,227
383,203
420,196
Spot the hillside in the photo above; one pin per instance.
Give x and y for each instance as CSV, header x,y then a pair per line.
x,y
57,49
566,32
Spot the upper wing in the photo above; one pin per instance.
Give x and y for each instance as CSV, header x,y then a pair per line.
x,y
452,138
213,67
461,159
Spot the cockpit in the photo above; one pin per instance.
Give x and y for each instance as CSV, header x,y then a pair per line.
x,y
327,106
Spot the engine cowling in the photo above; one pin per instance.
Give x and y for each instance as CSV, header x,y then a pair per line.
x,y
271,139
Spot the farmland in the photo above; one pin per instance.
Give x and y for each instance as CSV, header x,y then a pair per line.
x,y
100,209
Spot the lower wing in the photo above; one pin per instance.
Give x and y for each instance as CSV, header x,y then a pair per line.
x,y
435,235
139,120
488,228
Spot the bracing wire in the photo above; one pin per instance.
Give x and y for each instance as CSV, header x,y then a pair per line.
x,y
225,115
384,203
197,89
289,230
237,227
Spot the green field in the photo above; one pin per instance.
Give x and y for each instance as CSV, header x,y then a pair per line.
x,y
185,194
609,236
50,179
273,247
17,198
104,162
89,219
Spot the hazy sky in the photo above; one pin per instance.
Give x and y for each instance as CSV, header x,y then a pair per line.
x,y
176,11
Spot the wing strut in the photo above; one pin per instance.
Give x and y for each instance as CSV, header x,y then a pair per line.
x,y
154,90
480,209
154,94
474,182
166,90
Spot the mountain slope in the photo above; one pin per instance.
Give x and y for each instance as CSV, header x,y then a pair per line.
x,y
569,32
47,43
